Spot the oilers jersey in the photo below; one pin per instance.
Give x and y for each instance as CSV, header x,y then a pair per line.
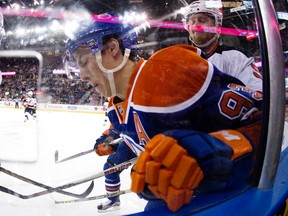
x,y
178,89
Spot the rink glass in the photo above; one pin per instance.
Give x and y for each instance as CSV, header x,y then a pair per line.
x,y
70,114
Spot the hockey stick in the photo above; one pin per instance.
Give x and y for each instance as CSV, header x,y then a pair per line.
x,y
49,189
114,142
21,196
95,197
71,157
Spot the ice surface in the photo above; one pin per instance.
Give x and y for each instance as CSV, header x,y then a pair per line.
x,y
33,145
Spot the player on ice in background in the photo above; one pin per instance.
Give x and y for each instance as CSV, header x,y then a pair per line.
x,y
17,100
112,181
193,127
228,59
30,104
105,107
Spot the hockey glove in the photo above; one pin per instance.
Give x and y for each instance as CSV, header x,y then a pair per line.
x,y
102,143
170,173
173,165
104,149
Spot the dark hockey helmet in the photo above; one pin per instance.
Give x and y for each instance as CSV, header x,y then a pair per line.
x,y
92,33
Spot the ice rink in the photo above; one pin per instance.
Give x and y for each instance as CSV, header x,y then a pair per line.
x,y
28,149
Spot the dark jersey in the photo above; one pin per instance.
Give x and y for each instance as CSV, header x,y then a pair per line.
x,y
178,89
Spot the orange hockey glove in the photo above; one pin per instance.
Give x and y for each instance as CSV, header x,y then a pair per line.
x,y
101,145
171,174
173,165
103,149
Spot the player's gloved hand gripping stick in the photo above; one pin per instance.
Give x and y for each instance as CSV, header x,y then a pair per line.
x,y
107,143
174,164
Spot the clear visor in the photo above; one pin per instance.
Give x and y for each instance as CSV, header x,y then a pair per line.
x,y
71,69
190,25
187,19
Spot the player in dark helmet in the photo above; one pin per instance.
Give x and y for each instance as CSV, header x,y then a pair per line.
x,y
193,127
89,42
94,37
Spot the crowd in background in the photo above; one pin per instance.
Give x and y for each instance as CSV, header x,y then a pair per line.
x,y
48,87
56,88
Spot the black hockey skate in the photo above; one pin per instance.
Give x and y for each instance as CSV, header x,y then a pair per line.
x,y
110,205
26,118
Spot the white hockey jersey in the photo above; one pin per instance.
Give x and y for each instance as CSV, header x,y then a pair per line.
x,y
30,103
235,63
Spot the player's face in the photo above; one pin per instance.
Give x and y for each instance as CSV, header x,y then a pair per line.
x,y
90,71
200,19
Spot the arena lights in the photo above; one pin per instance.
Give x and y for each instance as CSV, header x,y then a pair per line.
x,y
55,26
19,4
15,6
38,32
138,18
282,15
258,64
8,73
59,71
213,4
130,17
70,27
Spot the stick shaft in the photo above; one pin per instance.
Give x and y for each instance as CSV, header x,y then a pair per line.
x,y
114,142
118,193
76,155
47,191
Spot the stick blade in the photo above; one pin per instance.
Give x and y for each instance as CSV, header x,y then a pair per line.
x,y
56,156
88,190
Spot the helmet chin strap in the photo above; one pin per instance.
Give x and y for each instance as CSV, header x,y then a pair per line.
x,y
205,44
110,72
